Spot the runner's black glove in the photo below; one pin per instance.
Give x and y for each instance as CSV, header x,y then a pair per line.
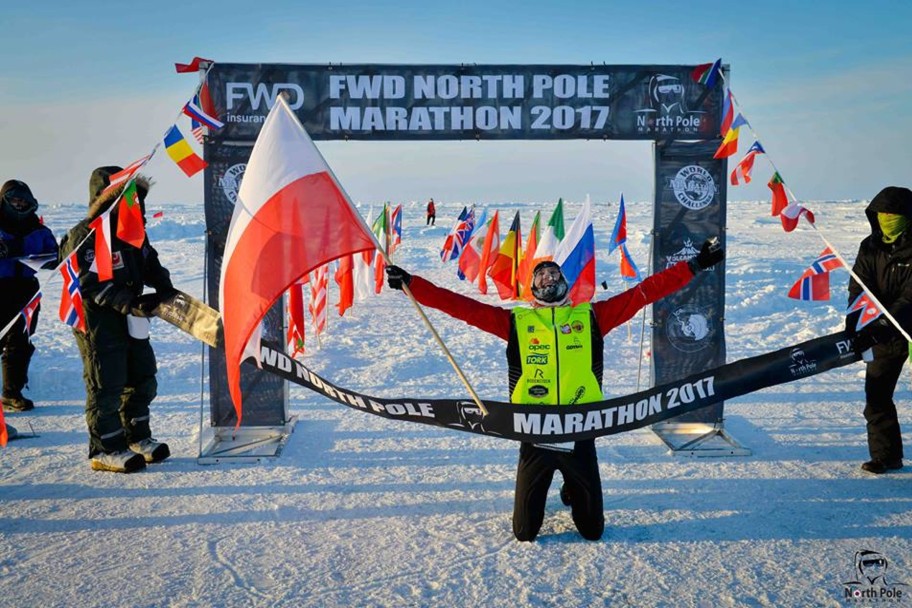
x,y
876,332
711,253
145,305
396,277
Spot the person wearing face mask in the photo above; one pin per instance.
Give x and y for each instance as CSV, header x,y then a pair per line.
x,y
21,234
884,265
571,337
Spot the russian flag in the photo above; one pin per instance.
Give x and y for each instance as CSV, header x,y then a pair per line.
x,y
576,257
195,112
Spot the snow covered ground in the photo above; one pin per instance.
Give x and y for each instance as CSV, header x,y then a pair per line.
x,y
361,511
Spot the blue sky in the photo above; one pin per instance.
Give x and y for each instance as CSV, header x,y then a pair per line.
x,y
827,90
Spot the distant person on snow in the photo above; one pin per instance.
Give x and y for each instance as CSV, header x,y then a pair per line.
x,y
117,358
574,335
884,264
431,213
21,234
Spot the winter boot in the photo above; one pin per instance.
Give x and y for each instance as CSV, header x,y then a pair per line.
x,y
17,404
11,432
879,467
118,462
151,450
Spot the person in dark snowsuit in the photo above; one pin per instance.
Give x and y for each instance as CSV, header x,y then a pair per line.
x,y
21,234
555,357
118,361
431,213
884,265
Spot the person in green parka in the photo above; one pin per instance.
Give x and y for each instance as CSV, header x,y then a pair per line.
x,y
118,361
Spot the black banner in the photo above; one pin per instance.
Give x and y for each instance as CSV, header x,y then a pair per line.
x,y
688,326
265,395
572,423
445,102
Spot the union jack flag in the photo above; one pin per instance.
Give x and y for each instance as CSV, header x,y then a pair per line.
x,y
71,311
461,234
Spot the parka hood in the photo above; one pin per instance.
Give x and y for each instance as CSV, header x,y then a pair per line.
x,y
100,179
892,199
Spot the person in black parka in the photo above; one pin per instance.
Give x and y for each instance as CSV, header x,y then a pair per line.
x,y
21,234
118,361
884,265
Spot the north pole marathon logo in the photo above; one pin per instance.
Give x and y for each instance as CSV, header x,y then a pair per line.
x,y
801,365
870,585
694,187
230,182
689,329
665,110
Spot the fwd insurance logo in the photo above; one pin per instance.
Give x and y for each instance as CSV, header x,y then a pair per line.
x,y
258,99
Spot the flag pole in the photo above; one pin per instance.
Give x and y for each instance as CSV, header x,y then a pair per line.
x,y
386,258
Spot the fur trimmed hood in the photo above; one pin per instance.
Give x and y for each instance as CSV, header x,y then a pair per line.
x,y
99,203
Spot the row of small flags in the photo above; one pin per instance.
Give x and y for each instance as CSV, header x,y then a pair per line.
x,y
481,254
357,276
789,212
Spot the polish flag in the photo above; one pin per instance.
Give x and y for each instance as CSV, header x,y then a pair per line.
x,y
576,257
791,214
291,217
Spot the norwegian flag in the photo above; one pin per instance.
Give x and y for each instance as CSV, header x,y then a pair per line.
x,y
811,287
28,313
869,310
71,311
825,262
814,284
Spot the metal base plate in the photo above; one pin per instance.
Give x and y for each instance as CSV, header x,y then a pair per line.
x,y
699,440
246,444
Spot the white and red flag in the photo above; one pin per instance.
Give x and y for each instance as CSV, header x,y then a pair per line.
x,y
291,217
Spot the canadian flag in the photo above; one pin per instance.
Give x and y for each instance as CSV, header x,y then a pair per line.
x,y
291,217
